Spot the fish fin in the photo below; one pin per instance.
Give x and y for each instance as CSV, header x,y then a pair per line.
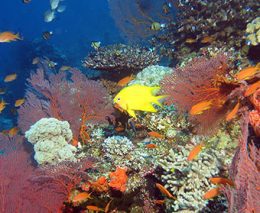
x,y
131,113
158,98
155,89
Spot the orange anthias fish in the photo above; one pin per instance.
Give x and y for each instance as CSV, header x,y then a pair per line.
x,y
164,191
233,112
151,146
252,88
207,39
220,180
211,193
155,134
94,208
81,197
124,81
248,72
2,105
159,202
200,107
195,151
12,132
10,77
19,102
106,210
9,36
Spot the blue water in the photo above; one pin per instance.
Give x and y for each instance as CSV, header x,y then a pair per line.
x,y
82,22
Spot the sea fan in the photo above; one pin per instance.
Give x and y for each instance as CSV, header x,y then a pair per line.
x,y
244,171
200,80
73,98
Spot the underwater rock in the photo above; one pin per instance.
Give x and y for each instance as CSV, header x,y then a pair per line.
x,y
50,138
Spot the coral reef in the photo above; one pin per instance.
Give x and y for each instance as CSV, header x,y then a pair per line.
x,y
121,58
201,80
73,98
188,181
120,151
51,138
253,32
151,76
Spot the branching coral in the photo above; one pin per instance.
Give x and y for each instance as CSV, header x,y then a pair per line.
x,y
253,32
121,58
201,81
121,152
51,138
73,98
188,181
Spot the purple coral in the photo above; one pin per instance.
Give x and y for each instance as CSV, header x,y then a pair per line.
x,y
74,98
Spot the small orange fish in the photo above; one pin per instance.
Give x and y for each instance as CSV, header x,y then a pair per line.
x,y
119,129
74,142
195,151
151,146
248,72
9,36
233,112
12,132
124,81
159,202
211,193
252,88
220,180
207,39
2,105
106,210
10,77
81,197
190,40
19,102
200,107
155,134
164,191
94,208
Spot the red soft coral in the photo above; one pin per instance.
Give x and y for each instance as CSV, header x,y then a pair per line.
x,y
118,179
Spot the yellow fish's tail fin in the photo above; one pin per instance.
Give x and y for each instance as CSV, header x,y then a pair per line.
x,y
157,99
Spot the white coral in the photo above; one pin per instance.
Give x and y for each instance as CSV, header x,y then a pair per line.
x,y
50,138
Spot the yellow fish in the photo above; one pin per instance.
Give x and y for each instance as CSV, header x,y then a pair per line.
x,y
138,97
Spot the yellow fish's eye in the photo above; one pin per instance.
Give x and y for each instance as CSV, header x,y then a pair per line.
x,y
118,99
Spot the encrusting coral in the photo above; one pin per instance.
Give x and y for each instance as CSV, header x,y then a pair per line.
x,y
51,138
151,76
189,180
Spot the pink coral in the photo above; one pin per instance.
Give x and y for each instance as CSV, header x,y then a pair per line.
x,y
244,171
74,98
